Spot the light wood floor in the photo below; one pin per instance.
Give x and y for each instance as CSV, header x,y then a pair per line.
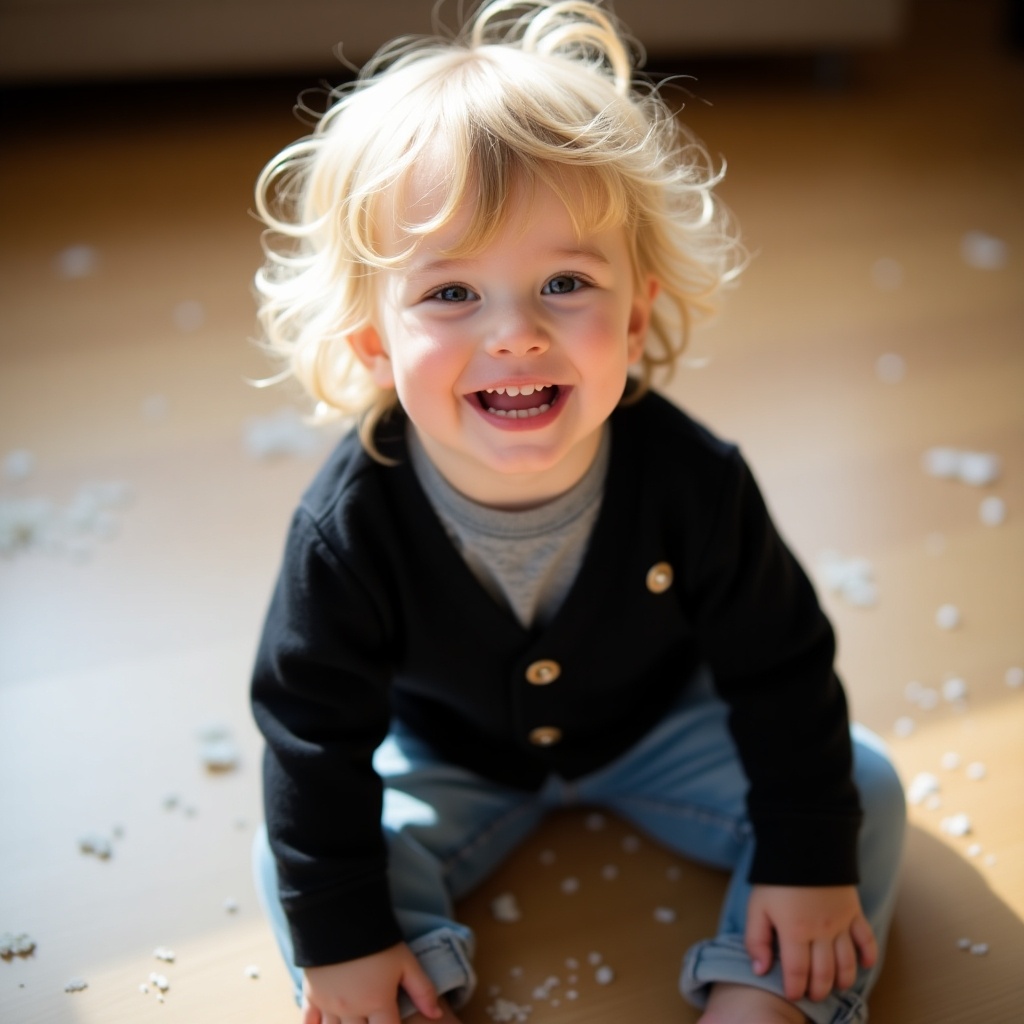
x,y
111,660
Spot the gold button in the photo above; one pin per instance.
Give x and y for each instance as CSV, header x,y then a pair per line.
x,y
540,673
659,578
545,736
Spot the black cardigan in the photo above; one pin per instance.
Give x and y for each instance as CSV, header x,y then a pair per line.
x,y
376,615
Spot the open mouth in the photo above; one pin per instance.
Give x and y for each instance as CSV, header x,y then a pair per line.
x,y
519,402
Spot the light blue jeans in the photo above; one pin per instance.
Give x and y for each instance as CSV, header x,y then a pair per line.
x,y
682,784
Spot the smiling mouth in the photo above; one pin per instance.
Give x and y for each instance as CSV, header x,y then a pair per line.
x,y
518,402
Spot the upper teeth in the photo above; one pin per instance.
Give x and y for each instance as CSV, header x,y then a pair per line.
x,y
525,389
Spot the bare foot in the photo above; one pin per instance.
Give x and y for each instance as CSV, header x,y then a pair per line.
x,y
746,1004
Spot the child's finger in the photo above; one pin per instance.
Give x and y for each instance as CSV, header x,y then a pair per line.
x,y
864,940
796,964
758,940
846,961
420,989
822,970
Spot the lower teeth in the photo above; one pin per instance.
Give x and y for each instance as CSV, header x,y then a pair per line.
x,y
520,414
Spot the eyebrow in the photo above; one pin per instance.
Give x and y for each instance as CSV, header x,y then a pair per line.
x,y
446,265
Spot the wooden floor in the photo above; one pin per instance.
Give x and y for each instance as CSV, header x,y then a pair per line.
x,y
124,361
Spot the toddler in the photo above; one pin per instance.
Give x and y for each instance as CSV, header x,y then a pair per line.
x,y
524,580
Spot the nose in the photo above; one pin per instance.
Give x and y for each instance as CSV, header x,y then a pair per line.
x,y
518,332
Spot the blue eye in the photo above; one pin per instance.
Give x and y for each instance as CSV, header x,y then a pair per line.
x,y
454,293
563,284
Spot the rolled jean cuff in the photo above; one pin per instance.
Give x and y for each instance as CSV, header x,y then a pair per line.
x,y
725,959
444,959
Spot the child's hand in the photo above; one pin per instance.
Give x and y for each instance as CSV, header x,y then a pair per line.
x,y
365,991
822,935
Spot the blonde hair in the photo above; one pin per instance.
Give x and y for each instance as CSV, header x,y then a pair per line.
x,y
525,93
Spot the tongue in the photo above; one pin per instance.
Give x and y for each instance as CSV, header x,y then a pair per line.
x,y
494,400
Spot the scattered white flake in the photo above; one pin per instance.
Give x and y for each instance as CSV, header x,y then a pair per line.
x,y
144,989
516,972
610,872
76,261
990,859
155,407
188,316
282,433
976,771
853,578
165,954
544,991
954,689
887,273
504,1010
979,948
76,985
547,857
903,726
923,786
572,994
494,990
890,368
252,971
934,802
159,997
664,915
159,981
604,975
572,963
595,822
594,959
219,755
570,885
983,251
231,906
974,850
925,697
975,468
1015,677
950,760
992,511
19,464
630,844
947,616
504,908
979,468
70,530
97,845
963,943
956,825
16,945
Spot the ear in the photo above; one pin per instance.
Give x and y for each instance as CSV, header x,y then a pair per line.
x,y
369,349
640,317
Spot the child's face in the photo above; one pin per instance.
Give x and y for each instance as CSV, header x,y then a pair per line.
x,y
508,362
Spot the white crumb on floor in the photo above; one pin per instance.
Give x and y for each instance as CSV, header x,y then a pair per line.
x,y
76,985
76,261
954,689
252,971
956,825
604,975
903,726
12,945
924,785
970,467
96,845
992,511
570,885
1014,677
890,368
505,908
281,433
976,771
664,915
504,1010
19,464
983,251
164,954
947,616
852,578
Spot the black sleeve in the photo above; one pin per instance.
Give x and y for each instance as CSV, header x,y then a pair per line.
x,y
320,698
772,650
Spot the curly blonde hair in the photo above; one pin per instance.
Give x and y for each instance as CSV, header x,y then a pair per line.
x,y
525,93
